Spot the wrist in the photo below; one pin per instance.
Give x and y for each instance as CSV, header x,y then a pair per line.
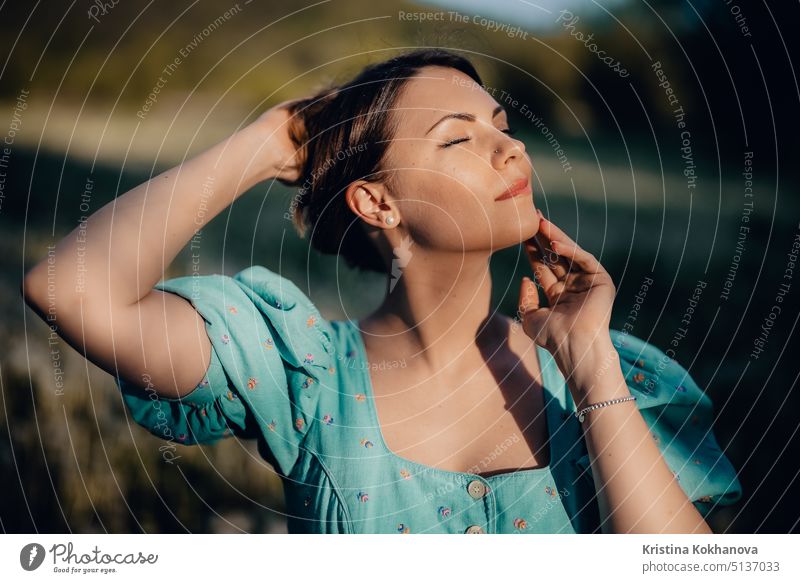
x,y
592,370
258,145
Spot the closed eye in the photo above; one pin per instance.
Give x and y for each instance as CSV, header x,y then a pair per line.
x,y
453,142
508,131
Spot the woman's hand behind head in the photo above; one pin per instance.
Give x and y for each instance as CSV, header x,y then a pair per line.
x,y
281,153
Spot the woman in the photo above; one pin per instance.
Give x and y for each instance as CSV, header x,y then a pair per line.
x,y
410,170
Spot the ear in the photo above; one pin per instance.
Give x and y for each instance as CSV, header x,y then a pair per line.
x,y
370,202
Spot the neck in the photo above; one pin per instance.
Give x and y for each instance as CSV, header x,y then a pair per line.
x,y
436,311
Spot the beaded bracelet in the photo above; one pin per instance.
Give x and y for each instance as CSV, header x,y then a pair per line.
x,y
581,415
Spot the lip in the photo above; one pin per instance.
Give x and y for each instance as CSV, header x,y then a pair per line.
x,y
517,188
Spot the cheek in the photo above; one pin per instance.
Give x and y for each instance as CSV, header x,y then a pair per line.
x,y
443,211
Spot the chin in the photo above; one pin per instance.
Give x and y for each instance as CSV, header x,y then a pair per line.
x,y
519,229
511,239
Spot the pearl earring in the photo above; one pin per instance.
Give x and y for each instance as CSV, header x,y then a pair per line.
x,y
389,220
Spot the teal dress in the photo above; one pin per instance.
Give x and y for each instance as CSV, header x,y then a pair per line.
x,y
283,375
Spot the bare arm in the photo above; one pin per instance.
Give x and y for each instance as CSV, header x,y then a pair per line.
x,y
113,315
637,492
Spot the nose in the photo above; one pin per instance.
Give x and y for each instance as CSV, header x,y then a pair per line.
x,y
508,150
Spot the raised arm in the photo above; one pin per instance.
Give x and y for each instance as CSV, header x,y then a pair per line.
x,y
111,314
637,492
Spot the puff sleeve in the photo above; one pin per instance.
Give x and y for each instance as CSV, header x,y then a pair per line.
x,y
680,417
270,356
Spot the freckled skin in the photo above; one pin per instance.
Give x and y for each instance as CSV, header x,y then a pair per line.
x,y
454,402
438,317
444,197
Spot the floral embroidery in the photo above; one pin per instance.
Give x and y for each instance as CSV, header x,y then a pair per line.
x,y
313,382
202,384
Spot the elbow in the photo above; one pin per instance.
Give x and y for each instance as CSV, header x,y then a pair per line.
x,y
30,288
49,301
34,288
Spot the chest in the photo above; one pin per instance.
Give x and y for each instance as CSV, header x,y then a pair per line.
x,y
493,422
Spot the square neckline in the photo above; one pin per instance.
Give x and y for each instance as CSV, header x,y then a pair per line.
x,y
373,411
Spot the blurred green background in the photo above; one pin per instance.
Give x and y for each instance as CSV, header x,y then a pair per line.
x,y
71,85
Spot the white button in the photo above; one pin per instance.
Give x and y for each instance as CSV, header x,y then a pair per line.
x,y
476,489
474,529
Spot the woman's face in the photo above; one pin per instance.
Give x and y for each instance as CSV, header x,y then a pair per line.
x,y
450,172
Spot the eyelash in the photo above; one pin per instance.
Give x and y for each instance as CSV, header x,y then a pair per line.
x,y
509,131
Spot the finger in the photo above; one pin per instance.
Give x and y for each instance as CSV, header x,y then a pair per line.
x,y
582,258
528,297
532,316
546,255
551,231
557,264
544,275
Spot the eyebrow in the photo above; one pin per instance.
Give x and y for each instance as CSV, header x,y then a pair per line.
x,y
465,116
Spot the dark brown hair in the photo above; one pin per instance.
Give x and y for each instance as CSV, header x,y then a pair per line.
x,y
343,133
